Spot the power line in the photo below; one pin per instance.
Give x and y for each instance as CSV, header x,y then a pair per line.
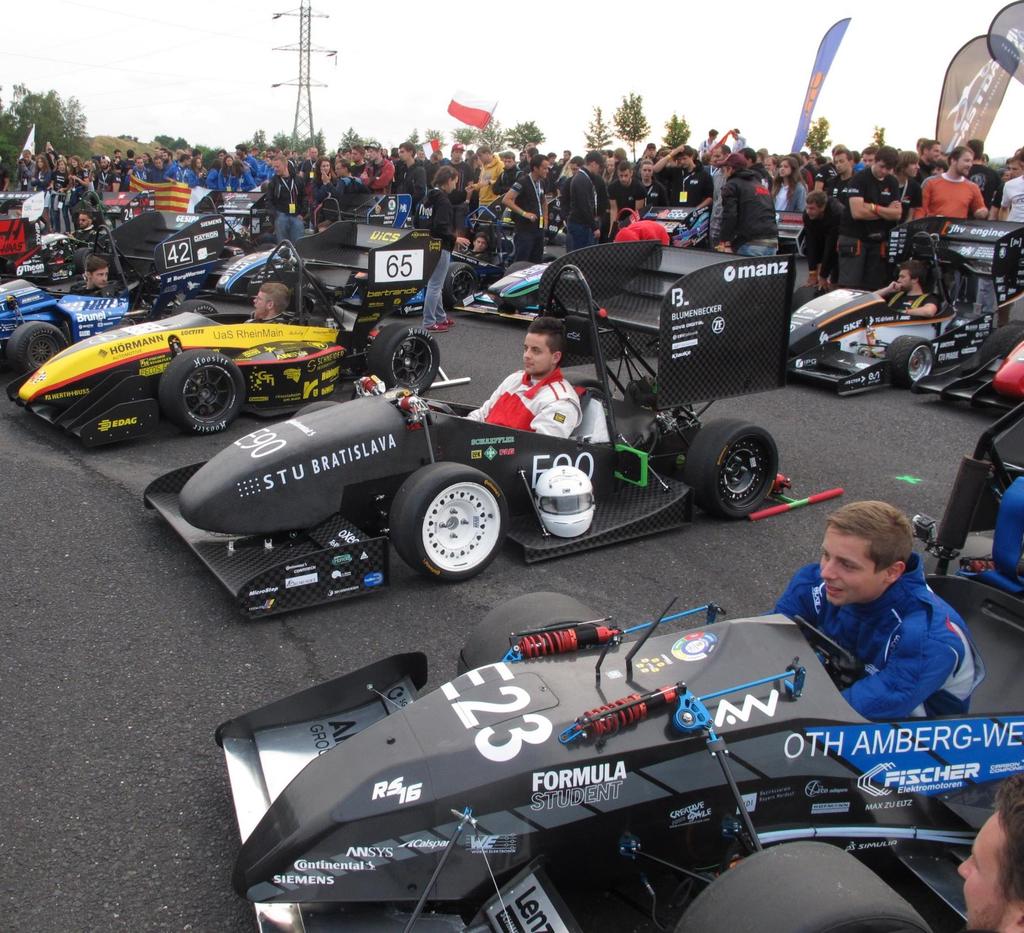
x,y
303,127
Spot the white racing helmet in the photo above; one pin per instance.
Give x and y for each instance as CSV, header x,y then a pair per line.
x,y
565,500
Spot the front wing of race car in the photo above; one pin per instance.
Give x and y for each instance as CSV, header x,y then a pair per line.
x,y
844,372
279,573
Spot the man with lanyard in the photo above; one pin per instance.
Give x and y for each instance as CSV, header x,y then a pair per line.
x,y
286,196
906,294
698,188
872,208
537,397
582,220
526,201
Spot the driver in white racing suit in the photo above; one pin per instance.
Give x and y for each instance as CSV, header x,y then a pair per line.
x,y
537,397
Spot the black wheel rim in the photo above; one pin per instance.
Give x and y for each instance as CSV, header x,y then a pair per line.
x,y
209,393
463,284
412,361
744,471
41,348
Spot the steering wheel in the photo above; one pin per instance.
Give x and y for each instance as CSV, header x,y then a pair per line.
x,y
842,666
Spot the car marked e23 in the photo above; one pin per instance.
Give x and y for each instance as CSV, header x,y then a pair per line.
x,y
505,715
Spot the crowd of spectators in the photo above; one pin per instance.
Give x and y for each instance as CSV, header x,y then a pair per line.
x,y
848,202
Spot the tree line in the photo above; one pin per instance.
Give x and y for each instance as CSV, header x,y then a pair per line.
x,y
62,122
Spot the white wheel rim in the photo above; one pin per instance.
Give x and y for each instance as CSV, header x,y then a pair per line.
x,y
461,527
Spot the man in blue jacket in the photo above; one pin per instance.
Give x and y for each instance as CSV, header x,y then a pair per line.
x,y
868,593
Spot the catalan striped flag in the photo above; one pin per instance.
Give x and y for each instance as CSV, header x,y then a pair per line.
x,y
170,196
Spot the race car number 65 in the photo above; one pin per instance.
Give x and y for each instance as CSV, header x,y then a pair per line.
x,y
398,266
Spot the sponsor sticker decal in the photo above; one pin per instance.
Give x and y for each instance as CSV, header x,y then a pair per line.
x,y
695,646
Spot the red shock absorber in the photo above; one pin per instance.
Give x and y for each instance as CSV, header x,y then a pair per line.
x,y
558,641
612,717
627,711
564,640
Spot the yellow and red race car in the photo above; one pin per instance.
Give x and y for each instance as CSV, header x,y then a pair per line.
x,y
201,374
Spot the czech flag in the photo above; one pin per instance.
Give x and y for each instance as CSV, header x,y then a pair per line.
x,y
472,112
170,196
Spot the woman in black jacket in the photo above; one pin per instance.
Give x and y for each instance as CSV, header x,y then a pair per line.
x,y
436,214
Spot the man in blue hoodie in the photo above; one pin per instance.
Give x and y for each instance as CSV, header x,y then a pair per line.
x,y
868,593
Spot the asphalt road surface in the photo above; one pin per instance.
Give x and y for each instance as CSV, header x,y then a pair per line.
x,y
121,654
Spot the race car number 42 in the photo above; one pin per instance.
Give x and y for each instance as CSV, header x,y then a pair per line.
x,y
398,266
177,253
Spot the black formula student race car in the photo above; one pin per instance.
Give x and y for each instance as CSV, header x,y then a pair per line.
x,y
589,753
330,487
852,341
201,371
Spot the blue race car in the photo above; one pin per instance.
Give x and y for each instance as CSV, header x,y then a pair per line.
x,y
35,324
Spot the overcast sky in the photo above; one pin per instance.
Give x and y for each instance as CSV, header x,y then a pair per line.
x,y
207,75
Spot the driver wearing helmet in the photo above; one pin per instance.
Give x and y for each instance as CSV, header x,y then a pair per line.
x,y
537,397
868,593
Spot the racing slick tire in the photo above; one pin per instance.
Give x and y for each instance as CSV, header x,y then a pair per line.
x,y
201,391
800,887
459,284
910,359
197,306
489,639
404,356
997,345
31,344
731,466
448,521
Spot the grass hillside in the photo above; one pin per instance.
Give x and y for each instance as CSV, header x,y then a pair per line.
x,y
105,145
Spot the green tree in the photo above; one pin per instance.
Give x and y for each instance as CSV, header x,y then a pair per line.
x,y
599,133
57,121
677,131
630,123
283,140
817,136
350,138
317,139
523,134
465,135
413,137
259,140
494,136
878,137
171,142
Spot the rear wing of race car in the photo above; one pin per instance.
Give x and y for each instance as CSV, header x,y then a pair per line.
x,y
991,248
380,210
718,326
